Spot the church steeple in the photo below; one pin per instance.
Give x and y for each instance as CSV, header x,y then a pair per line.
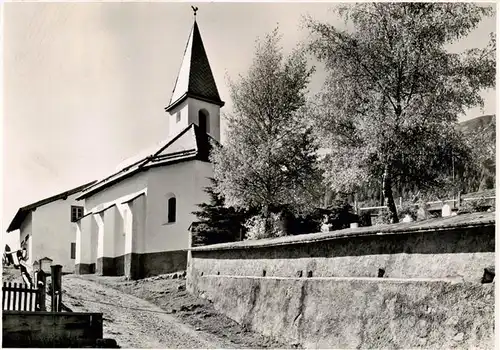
x,y
195,77
195,88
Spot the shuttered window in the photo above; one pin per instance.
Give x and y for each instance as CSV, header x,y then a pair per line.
x,y
76,213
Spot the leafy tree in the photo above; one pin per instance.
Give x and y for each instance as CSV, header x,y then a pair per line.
x,y
269,158
393,93
216,222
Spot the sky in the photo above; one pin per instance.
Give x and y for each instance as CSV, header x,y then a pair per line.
x,y
85,84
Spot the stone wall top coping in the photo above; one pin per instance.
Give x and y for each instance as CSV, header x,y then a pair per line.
x,y
50,313
440,224
451,280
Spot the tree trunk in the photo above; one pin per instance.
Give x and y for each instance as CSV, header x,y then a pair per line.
x,y
284,217
381,194
388,197
267,220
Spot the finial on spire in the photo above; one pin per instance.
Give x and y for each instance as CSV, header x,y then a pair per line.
x,y
194,10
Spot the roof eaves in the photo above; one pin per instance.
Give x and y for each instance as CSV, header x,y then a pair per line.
x,y
192,156
23,211
102,185
176,103
18,219
123,171
187,94
134,197
106,207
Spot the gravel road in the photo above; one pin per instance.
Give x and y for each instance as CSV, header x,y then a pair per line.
x,y
133,322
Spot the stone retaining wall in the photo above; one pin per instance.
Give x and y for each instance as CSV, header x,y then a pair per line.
x,y
407,251
394,286
368,313
23,329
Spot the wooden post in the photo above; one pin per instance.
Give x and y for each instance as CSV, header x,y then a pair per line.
x,y
42,289
459,200
56,280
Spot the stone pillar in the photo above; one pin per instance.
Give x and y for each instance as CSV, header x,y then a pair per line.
x,y
128,230
83,260
94,238
134,236
105,232
109,229
119,239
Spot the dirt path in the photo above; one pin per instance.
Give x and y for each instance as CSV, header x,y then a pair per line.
x,y
133,322
155,312
169,293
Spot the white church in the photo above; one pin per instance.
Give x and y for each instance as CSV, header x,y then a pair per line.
x,y
136,220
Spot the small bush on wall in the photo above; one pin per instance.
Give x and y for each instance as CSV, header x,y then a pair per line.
x,y
365,218
383,218
256,227
340,215
408,208
474,206
301,224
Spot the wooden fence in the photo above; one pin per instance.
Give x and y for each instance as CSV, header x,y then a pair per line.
x,y
20,297
454,202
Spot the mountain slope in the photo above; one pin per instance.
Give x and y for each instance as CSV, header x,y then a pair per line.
x,y
482,133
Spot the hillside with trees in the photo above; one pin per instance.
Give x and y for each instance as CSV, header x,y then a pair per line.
x,y
476,176
481,132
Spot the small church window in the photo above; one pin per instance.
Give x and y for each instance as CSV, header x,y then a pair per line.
x,y
171,209
178,117
76,213
204,120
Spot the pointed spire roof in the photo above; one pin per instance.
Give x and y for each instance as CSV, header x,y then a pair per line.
x,y
195,77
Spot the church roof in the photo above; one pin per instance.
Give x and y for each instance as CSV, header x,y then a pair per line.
x,y
24,211
192,143
195,77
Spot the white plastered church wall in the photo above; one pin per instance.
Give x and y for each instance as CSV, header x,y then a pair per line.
x,y
186,181
176,179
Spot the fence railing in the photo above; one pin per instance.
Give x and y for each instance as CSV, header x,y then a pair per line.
x,y
456,202
21,297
